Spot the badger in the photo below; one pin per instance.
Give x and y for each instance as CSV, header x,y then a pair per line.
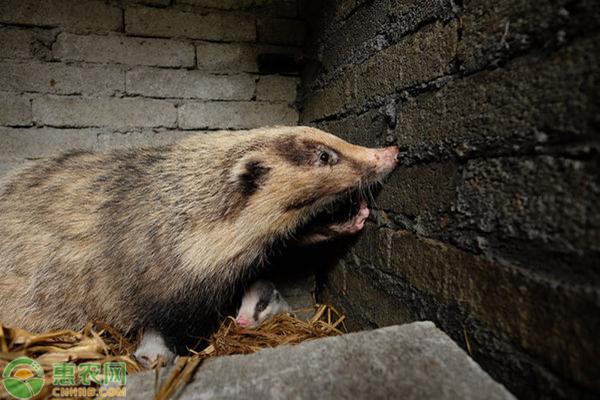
x,y
261,301
159,238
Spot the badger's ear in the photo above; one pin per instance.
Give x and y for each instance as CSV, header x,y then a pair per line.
x,y
250,174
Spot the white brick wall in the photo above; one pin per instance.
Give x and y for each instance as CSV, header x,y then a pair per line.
x,y
113,112
82,15
181,83
61,78
226,57
235,115
15,109
124,50
15,43
277,88
99,74
169,23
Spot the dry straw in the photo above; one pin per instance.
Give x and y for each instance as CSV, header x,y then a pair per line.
x,y
99,342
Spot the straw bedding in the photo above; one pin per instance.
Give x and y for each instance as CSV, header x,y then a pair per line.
x,y
98,342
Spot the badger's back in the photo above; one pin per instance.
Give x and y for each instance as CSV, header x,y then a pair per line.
x,y
96,236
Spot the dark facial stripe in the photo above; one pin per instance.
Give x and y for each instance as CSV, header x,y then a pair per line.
x,y
253,177
297,152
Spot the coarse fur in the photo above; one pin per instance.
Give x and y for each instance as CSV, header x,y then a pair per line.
x,y
160,238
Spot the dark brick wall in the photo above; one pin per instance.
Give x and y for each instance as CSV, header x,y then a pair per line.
x,y
491,227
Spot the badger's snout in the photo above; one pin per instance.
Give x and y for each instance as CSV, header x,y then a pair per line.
x,y
245,322
386,159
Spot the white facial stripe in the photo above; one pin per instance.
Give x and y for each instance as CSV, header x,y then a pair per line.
x,y
248,304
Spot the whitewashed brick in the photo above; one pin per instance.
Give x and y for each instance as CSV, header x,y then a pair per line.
x,y
277,88
60,78
174,23
156,82
15,109
235,115
220,4
78,14
16,43
226,57
154,3
124,50
111,112
284,8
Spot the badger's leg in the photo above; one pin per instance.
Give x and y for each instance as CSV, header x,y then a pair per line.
x,y
153,351
350,227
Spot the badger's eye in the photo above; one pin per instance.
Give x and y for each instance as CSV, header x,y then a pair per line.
x,y
324,157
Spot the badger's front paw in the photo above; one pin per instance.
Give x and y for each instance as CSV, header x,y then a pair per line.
x,y
153,351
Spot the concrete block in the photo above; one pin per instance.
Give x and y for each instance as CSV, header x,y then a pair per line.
x,y
281,31
156,82
277,88
328,101
16,43
529,102
545,201
226,57
235,115
525,307
283,8
360,297
173,23
368,26
415,360
15,109
220,4
111,112
423,191
81,15
124,50
60,78
492,32
369,129
416,59
153,3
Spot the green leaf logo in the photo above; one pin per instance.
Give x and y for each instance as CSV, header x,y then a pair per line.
x,y
23,378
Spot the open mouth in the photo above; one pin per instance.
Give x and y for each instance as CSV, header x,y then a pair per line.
x,y
342,206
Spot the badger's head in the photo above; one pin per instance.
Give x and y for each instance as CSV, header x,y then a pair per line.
x,y
292,173
261,301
